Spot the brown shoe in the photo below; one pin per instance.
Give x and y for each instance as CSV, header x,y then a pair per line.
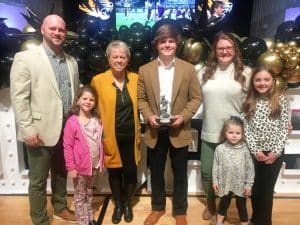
x,y
154,217
66,215
206,215
181,220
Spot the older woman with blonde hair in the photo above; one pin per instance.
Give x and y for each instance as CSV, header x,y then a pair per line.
x,y
117,91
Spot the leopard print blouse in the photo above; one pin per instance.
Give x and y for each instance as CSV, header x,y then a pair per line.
x,y
266,134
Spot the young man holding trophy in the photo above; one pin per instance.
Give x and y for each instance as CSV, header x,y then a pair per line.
x,y
168,96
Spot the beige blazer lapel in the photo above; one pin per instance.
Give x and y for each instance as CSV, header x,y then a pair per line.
x,y
178,76
155,83
48,67
71,75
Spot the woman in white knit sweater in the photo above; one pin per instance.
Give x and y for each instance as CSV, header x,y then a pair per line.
x,y
224,82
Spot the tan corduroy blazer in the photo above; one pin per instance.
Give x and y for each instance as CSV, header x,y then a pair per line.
x,y
186,99
35,95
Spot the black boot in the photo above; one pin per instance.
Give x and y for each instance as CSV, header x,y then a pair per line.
x,y
129,193
118,212
116,190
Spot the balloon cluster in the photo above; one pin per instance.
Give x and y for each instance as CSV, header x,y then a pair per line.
x,y
87,44
93,37
283,54
284,59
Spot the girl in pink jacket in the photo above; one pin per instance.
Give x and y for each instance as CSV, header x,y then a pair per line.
x,y
83,151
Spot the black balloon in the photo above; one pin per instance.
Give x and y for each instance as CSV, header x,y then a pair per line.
x,y
93,44
82,50
285,31
136,26
146,49
137,59
123,29
85,78
5,64
100,34
3,28
185,27
83,37
148,33
296,37
297,23
10,44
97,61
4,73
138,44
252,48
82,65
67,46
12,32
91,24
82,29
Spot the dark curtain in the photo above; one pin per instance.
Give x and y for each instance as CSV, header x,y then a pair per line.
x,y
268,14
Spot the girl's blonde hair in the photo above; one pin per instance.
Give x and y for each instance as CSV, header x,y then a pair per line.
x,y
249,106
233,120
86,88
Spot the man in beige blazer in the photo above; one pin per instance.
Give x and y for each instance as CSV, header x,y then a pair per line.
x,y
172,80
44,82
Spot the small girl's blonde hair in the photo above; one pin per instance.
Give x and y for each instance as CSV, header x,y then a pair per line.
x,y
233,120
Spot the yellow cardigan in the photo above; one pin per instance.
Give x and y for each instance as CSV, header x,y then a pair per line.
x,y
103,83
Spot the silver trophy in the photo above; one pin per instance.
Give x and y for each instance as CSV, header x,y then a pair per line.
x,y
164,111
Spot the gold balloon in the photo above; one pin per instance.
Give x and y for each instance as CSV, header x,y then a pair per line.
x,y
296,71
30,44
269,42
193,51
28,29
186,46
285,54
292,62
236,36
295,75
297,51
286,74
279,45
281,84
292,44
272,60
72,35
243,38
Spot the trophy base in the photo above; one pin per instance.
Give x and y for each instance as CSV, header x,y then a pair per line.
x,y
164,120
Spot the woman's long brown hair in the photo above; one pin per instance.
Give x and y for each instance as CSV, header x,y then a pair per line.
x,y
212,61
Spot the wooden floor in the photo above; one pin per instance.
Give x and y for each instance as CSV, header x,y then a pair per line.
x,y
14,211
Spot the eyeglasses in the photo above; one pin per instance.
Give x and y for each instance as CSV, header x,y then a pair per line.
x,y
227,49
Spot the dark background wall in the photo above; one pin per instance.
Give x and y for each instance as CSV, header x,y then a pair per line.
x,y
268,14
255,17
40,7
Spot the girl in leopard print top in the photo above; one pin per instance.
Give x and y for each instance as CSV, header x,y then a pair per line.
x,y
265,113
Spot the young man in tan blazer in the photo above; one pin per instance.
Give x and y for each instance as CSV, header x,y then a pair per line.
x,y
44,83
172,80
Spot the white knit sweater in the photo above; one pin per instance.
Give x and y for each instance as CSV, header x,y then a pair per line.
x,y
222,97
